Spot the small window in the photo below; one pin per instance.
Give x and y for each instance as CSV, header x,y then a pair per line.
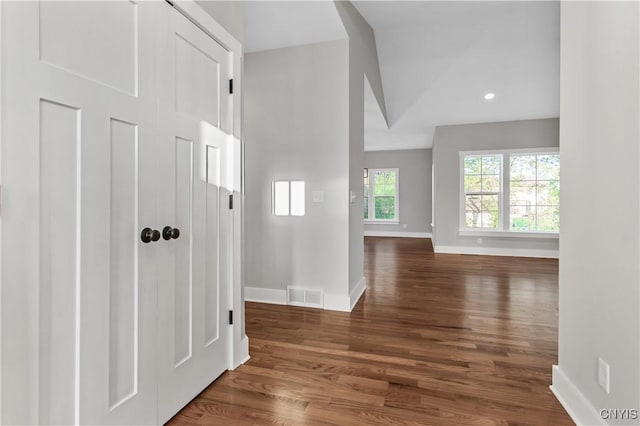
x,y
381,195
289,198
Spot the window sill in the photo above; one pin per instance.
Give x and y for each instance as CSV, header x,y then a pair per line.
x,y
381,222
508,234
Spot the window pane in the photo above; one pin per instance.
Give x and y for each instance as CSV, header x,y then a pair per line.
x,y
472,184
281,198
471,165
482,211
385,184
366,207
491,183
549,167
472,219
473,203
491,165
548,193
297,198
490,219
385,207
522,217
523,193
490,202
548,218
523,167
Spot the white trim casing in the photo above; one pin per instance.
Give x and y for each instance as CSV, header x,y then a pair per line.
x,y
265,295
462,193
504,193
337,302
497,251
332,302
397,234
509,234
574,402
357,293
371,200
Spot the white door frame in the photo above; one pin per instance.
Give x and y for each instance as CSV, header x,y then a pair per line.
x,y
239,344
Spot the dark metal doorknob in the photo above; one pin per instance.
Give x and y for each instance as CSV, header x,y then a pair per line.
x,y
169,233
147,235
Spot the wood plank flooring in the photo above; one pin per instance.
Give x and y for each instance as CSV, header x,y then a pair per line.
x,y
436,340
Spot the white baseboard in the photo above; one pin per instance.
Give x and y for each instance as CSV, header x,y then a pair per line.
x,y
574,402
337,302
357,292
265,295
397,234
242,354
332,302
493,251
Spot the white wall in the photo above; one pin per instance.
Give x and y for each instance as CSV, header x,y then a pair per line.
x,y
229,14
414,189
599,248
448,142
296,127
363,60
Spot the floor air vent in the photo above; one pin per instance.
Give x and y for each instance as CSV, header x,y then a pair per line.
x,y
304,297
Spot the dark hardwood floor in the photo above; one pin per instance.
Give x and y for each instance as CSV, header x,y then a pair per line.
x,y
436,340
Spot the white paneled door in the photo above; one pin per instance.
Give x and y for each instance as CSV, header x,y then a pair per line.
x,y
115,222
195,111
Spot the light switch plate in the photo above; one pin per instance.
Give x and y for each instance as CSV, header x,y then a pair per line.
x,y
318,196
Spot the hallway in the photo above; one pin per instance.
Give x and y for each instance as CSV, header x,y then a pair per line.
x,y
435,340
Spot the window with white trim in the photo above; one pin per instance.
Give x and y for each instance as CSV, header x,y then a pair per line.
x,y
381,201
288,198
482,191
510,191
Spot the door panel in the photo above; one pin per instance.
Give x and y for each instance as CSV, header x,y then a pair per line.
x,y
101,46
193,284
183,250
123,279
197,78
115,118
79,299
59,249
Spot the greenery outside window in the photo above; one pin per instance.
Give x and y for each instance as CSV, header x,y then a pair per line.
x,y
514,191
381,195
534,192
482,191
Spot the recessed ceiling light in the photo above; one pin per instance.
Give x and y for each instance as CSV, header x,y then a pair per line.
x,y
489,96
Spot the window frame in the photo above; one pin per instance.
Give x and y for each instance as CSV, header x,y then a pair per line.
x,y
500,192
289,183
371,198
504,219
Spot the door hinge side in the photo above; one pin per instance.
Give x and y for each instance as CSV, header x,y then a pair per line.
x,y
230,317
231,202
231,86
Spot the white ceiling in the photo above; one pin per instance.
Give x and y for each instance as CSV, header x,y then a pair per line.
x,y
276,24
437,59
